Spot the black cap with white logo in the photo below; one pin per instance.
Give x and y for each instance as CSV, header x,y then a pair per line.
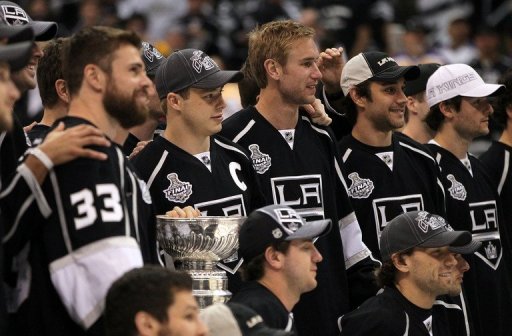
x,y
191,68
274,224
12,14
152,58
422,229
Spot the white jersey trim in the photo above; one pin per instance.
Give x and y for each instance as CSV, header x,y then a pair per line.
x,y
157,168
244,131
83,277
416,150
353,247
232,148
506,167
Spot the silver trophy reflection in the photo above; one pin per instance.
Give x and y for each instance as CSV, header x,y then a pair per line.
x,y
197,244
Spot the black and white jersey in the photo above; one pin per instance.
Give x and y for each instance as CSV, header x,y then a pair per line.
x,y
177,178
37,133
267,305
308,179
129,144
472,204
384,182
497,161
391,314
101,226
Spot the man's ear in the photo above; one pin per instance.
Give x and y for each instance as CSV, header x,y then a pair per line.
x,y
411,105
174,101
146,324
62,90
273,69
356,98
446,109
95,77
273,257
400,261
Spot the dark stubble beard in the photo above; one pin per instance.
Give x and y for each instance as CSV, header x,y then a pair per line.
x,y
124,109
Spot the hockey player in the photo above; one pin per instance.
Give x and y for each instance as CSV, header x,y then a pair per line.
x,y
459,112
386,174
297,165
101,223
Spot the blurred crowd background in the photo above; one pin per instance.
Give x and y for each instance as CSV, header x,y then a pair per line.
x,y
475,32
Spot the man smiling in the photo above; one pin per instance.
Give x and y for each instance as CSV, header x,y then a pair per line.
x,y
421,260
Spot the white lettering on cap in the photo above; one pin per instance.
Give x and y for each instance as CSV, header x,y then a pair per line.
x,y
385,60
199,62
434,222
14,15
455,83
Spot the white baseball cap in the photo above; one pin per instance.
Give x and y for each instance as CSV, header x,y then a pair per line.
x,y
458,80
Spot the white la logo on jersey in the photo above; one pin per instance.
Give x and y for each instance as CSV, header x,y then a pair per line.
x,y
177,191
457,189
260,161
360,188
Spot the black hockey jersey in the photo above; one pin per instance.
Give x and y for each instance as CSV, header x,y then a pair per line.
x,y
379,193
391,314
102,225
177,178
37,133
472,204
308,179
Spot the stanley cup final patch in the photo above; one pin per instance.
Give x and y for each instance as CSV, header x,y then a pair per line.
x,y
177,191
360,187
260,161
457,189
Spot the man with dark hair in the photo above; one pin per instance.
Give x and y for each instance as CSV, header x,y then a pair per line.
x,y
151,301
52,88
420,261
145,132
102,222
190,165
297,164
386,174
280,262
459,112
417,108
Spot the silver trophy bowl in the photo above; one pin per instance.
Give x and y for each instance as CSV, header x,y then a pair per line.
x,y
196,245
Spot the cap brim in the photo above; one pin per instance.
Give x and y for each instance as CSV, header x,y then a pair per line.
x,y
16,54
470,248
218,79
448,238
44,30
16,33
396,72
311,230
485,90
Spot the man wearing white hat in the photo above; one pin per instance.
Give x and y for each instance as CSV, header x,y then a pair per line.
x,y
459,112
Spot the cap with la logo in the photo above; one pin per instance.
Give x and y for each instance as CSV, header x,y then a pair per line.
x,y
274,224
12,14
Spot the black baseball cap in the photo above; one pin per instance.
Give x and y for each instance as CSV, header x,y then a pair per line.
x,y
191,68
237,319
419,84
274,224
152,58
16,54
374,65
12,14
423,229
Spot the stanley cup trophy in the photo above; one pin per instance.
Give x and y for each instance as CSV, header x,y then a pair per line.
x,y
196,245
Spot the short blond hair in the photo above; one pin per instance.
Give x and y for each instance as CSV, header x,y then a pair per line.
x,y
273,41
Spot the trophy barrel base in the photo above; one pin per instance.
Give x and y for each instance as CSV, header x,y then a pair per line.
x,y
206,298
209,287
